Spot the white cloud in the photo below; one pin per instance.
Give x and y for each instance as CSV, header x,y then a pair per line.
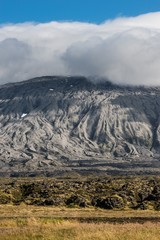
x,y
125,50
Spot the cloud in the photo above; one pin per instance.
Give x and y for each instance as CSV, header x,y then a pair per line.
x,y
124,50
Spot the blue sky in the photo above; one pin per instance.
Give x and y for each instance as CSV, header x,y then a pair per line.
x,y
97,11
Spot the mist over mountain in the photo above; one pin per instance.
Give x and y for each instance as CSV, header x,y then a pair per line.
x,y
65,124
125,50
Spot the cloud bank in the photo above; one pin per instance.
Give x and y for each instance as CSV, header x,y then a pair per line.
x,y
124,50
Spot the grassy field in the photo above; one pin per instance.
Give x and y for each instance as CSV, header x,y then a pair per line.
x,y
51,223
106,208
37,229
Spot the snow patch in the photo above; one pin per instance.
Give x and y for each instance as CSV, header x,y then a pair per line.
x,y
23,115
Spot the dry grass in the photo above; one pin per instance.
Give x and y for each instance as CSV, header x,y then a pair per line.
x,y
44,211
48,223
38,229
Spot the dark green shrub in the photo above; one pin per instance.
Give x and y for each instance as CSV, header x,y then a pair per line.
x,y
4,198
27,189
76,200
157,206
112,202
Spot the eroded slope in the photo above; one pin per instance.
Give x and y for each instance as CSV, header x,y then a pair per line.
x,y
70,123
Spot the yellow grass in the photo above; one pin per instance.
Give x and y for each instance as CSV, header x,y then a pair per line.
x,y
45,211
37,229
42,223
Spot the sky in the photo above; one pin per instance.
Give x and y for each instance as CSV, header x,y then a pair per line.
x,y
96,11
115,40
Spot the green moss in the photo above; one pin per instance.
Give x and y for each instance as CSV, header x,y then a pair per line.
x,y
5,198
105,192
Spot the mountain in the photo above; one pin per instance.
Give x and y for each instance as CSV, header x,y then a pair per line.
x,y
54,125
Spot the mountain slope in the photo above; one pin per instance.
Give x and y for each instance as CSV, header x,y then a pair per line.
x,y
69,123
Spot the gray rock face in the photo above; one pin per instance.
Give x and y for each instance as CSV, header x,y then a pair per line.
x,y
69,123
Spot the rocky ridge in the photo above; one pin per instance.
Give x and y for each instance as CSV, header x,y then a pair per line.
x,y
63,124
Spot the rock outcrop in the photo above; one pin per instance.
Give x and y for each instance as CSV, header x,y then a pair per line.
x,y
72,124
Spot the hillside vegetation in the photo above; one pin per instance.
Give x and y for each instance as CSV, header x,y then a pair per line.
x,y
105,192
